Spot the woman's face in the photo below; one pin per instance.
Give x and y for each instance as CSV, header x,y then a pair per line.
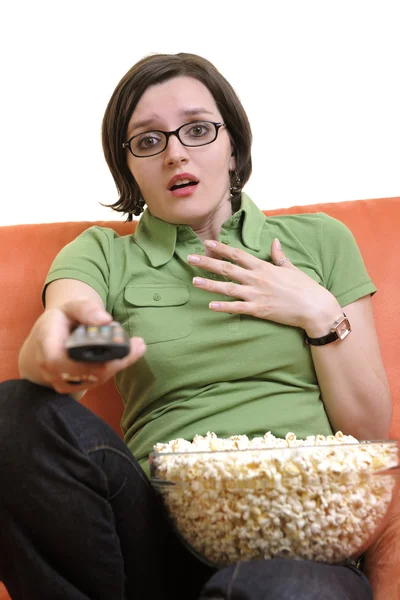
x,y
166,106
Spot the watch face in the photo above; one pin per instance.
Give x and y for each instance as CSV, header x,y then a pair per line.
x,y
343,329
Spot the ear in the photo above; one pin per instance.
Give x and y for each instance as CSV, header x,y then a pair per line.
x,y
232,161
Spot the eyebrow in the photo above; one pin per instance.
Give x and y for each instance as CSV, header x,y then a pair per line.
x,y
186,112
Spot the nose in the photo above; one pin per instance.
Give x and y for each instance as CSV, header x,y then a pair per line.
x,y
175,152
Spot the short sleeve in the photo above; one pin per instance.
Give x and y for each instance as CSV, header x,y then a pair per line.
x,y
87,258
344,271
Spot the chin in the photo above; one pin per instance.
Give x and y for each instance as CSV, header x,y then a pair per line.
x,y
193,216
181,210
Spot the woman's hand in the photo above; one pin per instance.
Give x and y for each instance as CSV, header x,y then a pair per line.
x,y
277,292
51,365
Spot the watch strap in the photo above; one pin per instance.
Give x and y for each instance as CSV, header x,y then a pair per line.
x,y
333,335
321,341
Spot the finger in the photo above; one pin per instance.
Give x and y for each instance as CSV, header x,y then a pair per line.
x,y
138,349
228,288
81,379
67,381
66,375
220,267
66,372
57,323
87,311
238,308
105,370
75,384
278,256
240,257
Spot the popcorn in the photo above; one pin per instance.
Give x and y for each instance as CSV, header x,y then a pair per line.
x,y
322,503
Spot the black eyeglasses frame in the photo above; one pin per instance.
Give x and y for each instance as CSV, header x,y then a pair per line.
x,y
168,134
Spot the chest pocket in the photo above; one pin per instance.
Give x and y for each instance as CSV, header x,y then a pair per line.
x,y
158,313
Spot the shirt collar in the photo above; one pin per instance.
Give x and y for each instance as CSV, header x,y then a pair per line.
x,y
158,238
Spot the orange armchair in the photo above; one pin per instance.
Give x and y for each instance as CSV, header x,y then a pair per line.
x,y
28,250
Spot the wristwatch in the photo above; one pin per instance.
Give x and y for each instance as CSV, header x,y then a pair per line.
x,y
340,329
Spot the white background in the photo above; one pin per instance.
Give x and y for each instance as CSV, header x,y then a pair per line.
x,y
319,81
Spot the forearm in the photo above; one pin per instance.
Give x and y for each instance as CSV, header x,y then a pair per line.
x,y
356,399
28,364
350,372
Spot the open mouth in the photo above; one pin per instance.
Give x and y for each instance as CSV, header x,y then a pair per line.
x,y
183,184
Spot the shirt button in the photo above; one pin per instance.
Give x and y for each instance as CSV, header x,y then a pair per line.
x,y
156,297
212,276
198,249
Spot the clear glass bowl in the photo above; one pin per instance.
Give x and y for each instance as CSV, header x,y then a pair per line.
x,y
325,503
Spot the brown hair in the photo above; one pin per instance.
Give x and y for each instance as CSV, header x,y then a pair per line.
x,y
157,68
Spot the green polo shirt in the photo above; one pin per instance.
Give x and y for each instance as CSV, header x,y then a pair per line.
x,y
204,370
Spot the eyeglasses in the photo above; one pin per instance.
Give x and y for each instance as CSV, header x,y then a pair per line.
x,y
150,143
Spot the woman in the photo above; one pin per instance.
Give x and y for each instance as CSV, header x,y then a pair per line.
x,y
218,316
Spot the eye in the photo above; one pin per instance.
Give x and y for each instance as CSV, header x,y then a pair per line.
x,y
199,129
147,141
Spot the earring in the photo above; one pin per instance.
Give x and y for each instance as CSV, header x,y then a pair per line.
x,y
138,207
236,187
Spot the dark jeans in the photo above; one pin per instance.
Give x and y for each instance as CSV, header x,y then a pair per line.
x,y
80,521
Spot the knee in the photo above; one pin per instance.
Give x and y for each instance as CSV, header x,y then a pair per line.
x,y
20,402
12,393
17,395
284,578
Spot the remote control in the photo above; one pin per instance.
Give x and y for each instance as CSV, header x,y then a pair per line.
x,y
98,343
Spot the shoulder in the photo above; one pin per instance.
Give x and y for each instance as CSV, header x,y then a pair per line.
x,y
104,237
313,226
97,232
317,219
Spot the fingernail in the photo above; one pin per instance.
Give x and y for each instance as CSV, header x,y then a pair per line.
x,y
278,244
215,305
210,244
100,315
193,259
198,280
140,344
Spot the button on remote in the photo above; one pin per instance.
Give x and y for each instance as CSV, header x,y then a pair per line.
x,y
92,343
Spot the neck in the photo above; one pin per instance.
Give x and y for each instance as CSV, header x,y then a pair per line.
x,y
209,228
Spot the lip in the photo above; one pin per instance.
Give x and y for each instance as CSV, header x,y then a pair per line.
x,y
179,176
184,192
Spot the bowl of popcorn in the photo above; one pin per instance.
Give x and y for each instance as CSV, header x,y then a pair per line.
x,y
321,498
